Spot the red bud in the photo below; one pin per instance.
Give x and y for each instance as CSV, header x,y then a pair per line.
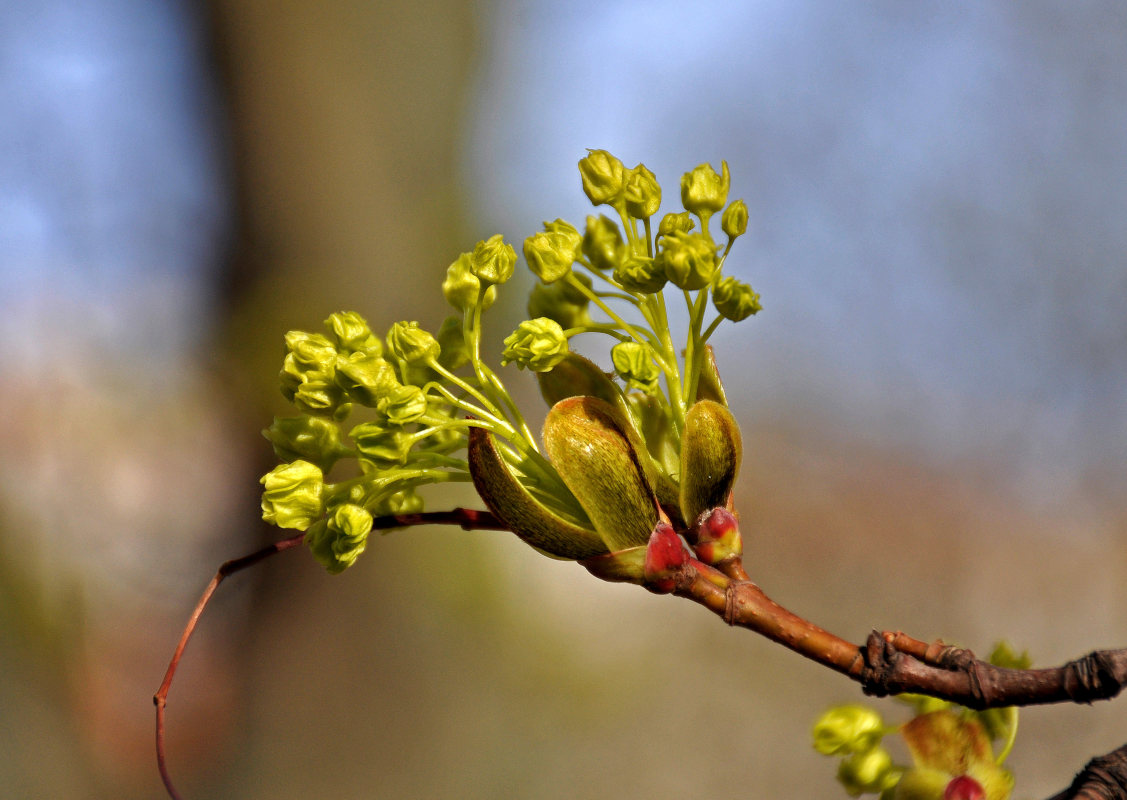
x,y
964,787
665,556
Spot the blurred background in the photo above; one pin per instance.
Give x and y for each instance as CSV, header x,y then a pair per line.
x,y
932,400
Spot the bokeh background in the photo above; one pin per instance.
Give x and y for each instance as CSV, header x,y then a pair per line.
x,y
932,400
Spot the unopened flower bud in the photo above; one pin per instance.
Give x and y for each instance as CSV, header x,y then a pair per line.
x,y
409,343
311,352
320,394
718,537
640,274
642,193
672,223
366,378
603,177
339,540
352,333
309,356
734,221
665,556
867,771
688,260
634,363
703,192
847,729
734,299
492,260
307,438
404,405
964,787
405,501
538,344
462,289
292,495
382,446
602,243
551,252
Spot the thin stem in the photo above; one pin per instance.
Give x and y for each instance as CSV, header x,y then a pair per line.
x,y
467,518
160,699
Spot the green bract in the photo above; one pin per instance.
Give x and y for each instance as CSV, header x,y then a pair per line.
x,y
638,435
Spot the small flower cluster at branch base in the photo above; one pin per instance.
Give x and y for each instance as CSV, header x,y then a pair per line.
x,y
411,408
951,747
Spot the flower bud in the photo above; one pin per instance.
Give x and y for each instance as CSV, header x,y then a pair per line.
x,y
404,405
734,299
409,343
381,446
366,378
665,556
688,260
602,243
538,344
338,541
492,261
311,352
718,539
922,783
634,363
307,438
603,177
672,223
352,333
847,729
867,771
561,302
462,289
964,787
551,252
703,192
319,394
640,274
642,193
309,356
734,221
292,495
452,341
405,501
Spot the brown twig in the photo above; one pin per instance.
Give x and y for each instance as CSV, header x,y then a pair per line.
x,y
894,663
1103,778
466,518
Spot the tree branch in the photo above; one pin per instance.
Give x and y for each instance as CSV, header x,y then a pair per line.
x,y
1103,778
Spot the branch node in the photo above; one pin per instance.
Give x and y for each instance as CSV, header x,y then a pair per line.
x,y
1092,677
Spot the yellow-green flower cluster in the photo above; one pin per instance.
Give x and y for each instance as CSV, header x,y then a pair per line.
x,y
951,747
390,414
